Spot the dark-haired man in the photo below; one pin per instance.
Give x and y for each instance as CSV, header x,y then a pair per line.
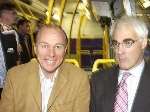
x,y
23,30
8,40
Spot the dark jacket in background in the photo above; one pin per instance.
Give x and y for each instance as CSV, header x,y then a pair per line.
x,y
9,46
26,45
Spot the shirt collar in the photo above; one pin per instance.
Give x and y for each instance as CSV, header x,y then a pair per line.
x,y
5,27
42,76
135,71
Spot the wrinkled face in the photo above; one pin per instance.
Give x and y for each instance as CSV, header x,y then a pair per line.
x,y
129,48
50,49
9,16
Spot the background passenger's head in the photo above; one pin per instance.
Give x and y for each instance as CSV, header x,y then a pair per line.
x,y
129,39
23,26
51,46
7,13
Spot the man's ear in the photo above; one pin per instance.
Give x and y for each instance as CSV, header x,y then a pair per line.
x,y
66,49
144,43
35,49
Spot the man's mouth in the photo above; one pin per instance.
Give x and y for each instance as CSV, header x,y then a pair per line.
x,y
49,61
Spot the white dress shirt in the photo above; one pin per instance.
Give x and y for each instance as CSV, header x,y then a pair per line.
x,y
132,82
46,88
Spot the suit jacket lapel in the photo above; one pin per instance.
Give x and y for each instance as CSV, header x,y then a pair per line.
x,y
59,84
34,81
110,89
143,92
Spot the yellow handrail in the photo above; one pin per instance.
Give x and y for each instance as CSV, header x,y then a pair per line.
x,y
106,53
49,11
73,61
101,61
62,6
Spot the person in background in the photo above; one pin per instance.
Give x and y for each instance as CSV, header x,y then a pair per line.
x,y
47,84
38,26
23,29
8,40
124,87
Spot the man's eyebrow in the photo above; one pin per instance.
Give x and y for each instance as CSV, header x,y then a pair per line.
x,y
128,39
60,44
42,43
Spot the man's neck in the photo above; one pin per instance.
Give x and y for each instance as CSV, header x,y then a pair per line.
x,y
48,75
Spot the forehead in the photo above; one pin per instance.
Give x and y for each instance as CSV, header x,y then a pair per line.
x,y
5,11
124,32
51,35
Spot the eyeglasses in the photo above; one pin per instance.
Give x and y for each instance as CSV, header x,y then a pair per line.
x,y
127,43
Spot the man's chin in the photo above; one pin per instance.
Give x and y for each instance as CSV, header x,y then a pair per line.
x,y
123,67
50,70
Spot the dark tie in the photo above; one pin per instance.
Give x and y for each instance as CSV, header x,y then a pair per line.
x,y
121,103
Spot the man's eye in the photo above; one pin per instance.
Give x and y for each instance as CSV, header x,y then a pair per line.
x,y
129,43
114,43
44,46
59,46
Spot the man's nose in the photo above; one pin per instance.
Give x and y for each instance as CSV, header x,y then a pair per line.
x,y
120,48
51,52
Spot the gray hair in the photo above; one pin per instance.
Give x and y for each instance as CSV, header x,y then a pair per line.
x,y
138,25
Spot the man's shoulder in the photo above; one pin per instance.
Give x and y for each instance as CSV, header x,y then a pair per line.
x,y
22,69
147,62
103,73
73,70
74,75
70,67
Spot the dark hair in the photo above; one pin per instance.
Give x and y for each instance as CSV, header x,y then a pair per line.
x,y
7,6
22,21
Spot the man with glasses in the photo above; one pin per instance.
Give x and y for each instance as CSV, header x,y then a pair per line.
x,y
47,84
125,86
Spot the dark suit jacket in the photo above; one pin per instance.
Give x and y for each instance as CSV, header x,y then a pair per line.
x,y
104,86
26,53
9,46
22,92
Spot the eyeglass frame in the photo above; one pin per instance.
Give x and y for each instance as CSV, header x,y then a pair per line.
x,y
125,43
